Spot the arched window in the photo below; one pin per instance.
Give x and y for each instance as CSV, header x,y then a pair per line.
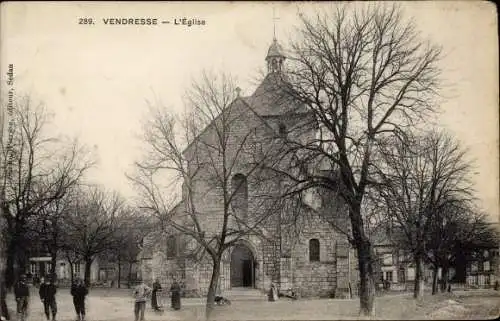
x,y
313,250
171,247
239,201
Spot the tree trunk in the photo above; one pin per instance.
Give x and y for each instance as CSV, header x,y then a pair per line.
x,y
9,273
119,272
16,258
71,271
418,291
444,277
435,279
53,264
212,287
365,262
367,284
18,246
129,274
88,264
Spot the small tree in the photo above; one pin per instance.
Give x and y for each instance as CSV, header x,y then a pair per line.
x,y
129,235
91,228
422,179
48,228
457,228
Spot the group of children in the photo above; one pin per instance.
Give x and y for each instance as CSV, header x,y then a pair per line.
x,y
47,292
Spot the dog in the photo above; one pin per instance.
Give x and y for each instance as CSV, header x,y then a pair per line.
x,y
220,300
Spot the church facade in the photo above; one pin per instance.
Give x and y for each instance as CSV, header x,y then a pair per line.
x,y
316,261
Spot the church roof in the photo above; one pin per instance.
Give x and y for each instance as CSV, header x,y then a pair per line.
x,y
274,97
275,50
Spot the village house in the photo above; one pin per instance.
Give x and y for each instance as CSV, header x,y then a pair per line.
x,y
41,265
478,267
102,271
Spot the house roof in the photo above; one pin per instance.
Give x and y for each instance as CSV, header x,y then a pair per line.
x,y
381,235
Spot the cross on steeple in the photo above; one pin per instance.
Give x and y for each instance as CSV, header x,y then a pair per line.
x,y
274,22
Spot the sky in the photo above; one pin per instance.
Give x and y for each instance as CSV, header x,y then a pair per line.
x,y
97,78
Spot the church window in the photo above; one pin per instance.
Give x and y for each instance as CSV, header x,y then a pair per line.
x,y
239,194
171,247
314,250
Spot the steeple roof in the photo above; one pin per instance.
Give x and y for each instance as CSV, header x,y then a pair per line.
x,y
275,50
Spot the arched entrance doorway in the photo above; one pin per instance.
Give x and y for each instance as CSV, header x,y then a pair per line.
x,y
242,267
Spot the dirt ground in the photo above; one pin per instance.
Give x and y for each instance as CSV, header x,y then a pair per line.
x,y
117,304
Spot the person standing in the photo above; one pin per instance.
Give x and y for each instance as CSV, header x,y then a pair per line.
x,y
48,296
175,292
273,293
79,291
4,315
35,280
154,296
22,293
141,292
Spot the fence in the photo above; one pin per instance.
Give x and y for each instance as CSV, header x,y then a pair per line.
x,y
480,281
485,281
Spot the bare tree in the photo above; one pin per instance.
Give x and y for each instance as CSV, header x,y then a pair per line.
x,y
421,179
133,226
457,227
364,75
91,228
36,171
48,226
216,150
73,258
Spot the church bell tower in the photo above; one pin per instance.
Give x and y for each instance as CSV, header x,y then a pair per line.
x,y
275,57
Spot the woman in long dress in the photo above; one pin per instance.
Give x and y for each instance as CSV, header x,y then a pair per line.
x,y
175,291
154,295
273,293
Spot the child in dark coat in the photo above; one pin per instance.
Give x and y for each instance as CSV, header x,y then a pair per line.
x,y
22,293
48,296
79,291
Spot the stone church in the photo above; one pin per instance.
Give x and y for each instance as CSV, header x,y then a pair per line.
x,y
317,261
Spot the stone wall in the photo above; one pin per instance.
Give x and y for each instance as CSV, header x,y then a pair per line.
x,y
318,278
290,269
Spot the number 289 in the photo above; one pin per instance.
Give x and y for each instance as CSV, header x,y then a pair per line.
x,y
85,21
